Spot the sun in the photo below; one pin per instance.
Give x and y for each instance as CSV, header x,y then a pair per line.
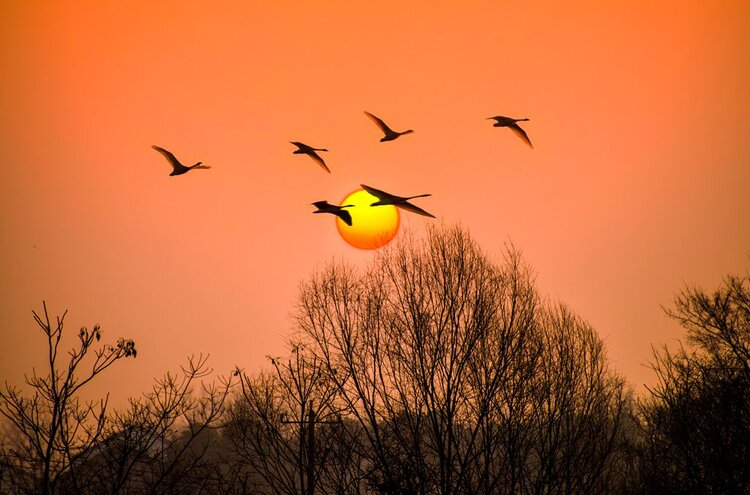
x,y
372,226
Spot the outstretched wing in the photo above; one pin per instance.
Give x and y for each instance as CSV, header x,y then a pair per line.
x,y
376,192
318,159
380,123
520,133
345,216
320,204
414,209
169,156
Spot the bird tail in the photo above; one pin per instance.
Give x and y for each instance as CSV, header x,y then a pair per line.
x,y
419,196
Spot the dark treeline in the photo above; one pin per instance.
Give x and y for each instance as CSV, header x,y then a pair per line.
x,y
435,371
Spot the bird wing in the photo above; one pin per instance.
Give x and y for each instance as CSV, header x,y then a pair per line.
x,y
414,209
169,156
345,216
318,159
380,123
520,133
320,204
376,192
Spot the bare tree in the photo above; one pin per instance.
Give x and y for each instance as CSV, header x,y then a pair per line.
x,y
579,409
447,362
166,441
53,427
276,423
434,371
697,421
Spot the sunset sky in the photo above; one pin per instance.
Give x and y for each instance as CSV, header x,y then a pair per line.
x,y
639,181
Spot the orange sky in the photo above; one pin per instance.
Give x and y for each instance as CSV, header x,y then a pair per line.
x,y
638,183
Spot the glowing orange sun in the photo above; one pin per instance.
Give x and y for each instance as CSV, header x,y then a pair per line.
x,y
372,226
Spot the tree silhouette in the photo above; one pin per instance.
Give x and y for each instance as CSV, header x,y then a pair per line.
x,y
275,424
167,440
164,442
460,379
52,429
434,370
580,410
697,420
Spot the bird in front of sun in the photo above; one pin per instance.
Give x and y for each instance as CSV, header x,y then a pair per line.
x,y
303,149
390,134
371,228
177,167
512,124
339,211
402,202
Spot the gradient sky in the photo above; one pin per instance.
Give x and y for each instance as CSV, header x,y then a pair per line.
x,y
638,184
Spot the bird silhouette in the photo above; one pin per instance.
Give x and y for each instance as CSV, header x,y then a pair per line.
x,y
390,134
385,198
339,211
303,149
178,168
511,123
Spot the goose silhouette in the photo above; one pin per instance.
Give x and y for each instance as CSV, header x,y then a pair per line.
x,y
501,121
385,198
177,167
303,149
390,134
339,211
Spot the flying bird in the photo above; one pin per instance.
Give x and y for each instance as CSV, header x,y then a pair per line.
x,y
511,123
385,198
178,168
390,134
339,211
304,149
